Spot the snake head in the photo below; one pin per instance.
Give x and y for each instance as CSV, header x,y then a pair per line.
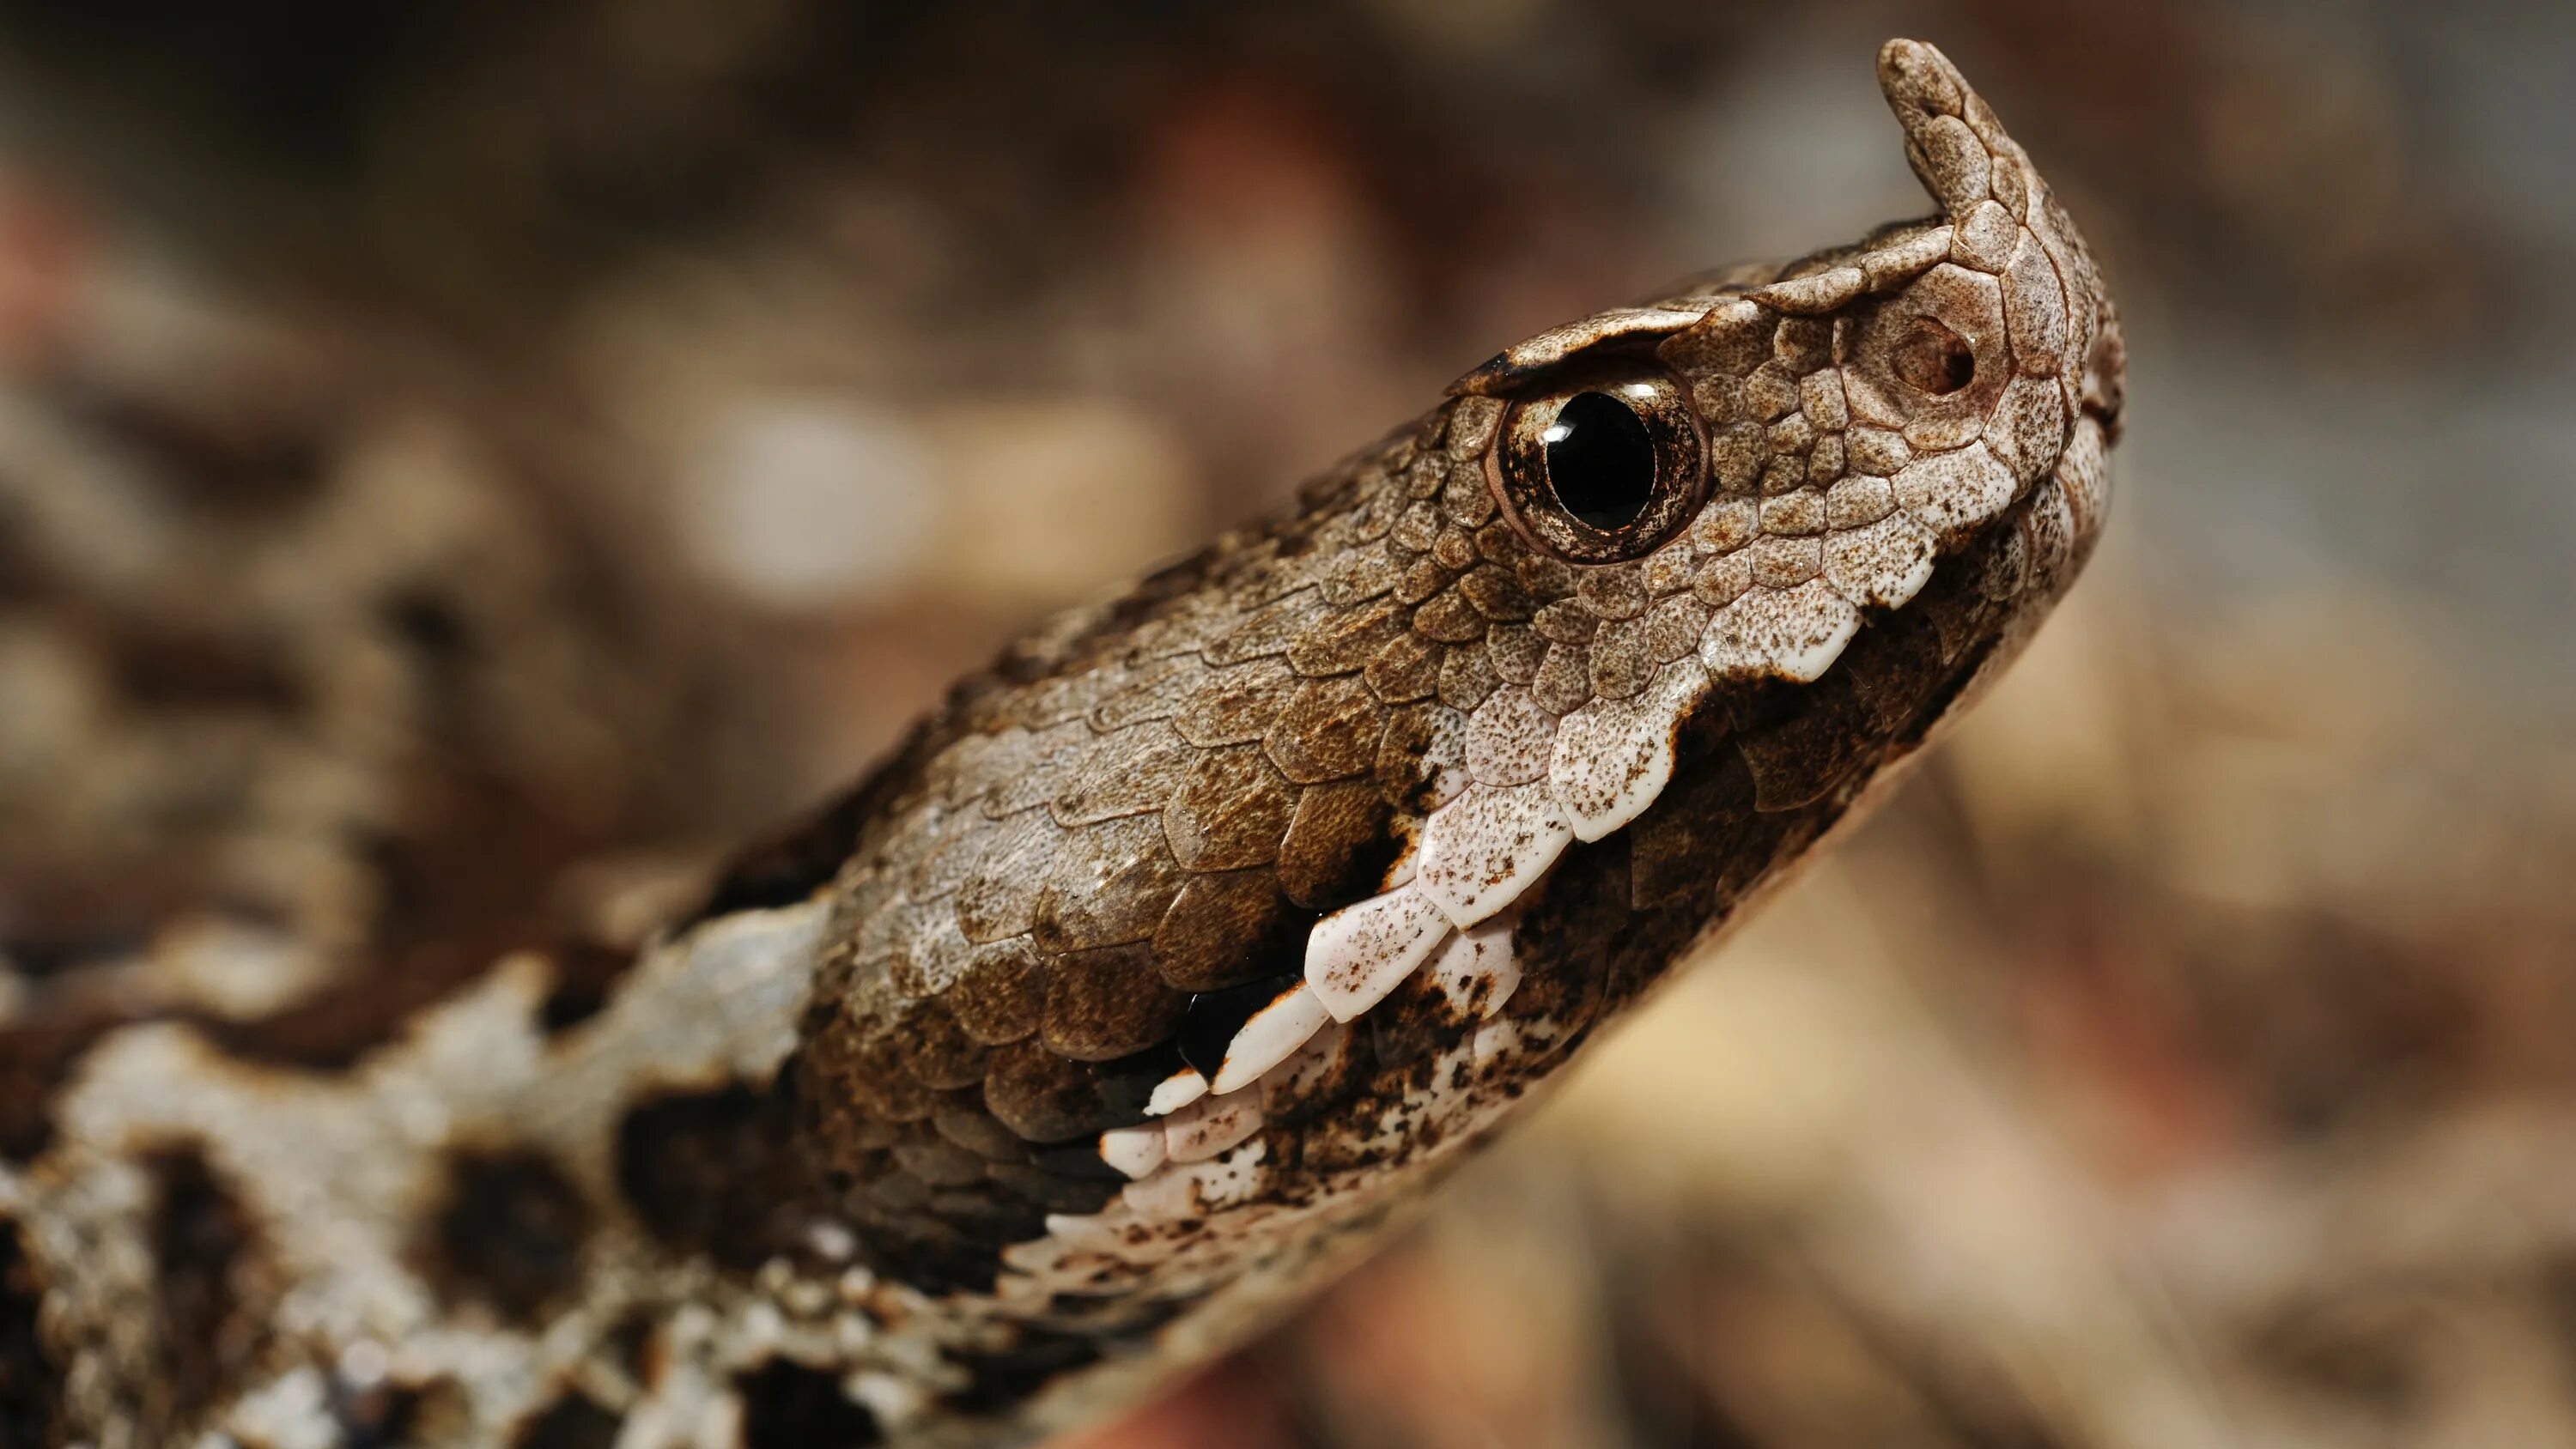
x,y
1827,428
1719,490
1190,938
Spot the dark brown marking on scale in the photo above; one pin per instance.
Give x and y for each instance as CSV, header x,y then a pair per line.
x,y
1800,740
1339,844
574,1421
1039,1095
507,1232
786,1405
930,1046
29,1379
939,1192
939,1195
1415,1022
204,1253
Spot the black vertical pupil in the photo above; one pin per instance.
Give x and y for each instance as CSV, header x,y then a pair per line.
x,y
1601,461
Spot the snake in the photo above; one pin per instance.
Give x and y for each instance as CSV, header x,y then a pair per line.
x,y
1156,976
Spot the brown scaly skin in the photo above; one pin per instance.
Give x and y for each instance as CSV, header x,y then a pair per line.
x,y
860,1152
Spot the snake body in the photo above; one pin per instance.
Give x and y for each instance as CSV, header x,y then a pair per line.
x,y
1154,976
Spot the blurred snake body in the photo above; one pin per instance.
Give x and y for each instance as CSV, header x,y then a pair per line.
x,y
1157,973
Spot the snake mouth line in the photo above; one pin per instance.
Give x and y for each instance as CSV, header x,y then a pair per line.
x,y
1452,899
1528,785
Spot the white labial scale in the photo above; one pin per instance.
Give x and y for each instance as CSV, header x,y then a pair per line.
x,y
1614,756
1176,1091
1795,633
1081,1232
1196,1189
1401,873
1210,1127
1135,1151
1358,954
1274,1034
1884,563
1507,739
1481,850
1956,489
1477,969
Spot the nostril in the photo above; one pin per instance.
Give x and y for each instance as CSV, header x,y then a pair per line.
x,y
1933,359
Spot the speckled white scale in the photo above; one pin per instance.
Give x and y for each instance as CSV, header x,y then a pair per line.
x,y
1175,1092
1196,1189
1481,850
1358,954
1508,738
1955,489
1210,1126
1613,757
1884,563
1476,969
1305,1066
1795,634
1272,1035
1135,1151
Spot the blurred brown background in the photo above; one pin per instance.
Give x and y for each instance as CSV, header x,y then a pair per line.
x,y
2185,1059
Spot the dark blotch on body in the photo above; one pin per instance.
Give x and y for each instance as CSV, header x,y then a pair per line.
x,y
571,1422
786,1405
585,976
203,1243
508,1234
334,1028
27,1379
35,1061
998,1382
375,1416
716,1172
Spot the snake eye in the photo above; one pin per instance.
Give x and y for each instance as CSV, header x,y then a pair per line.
x,y
1603,468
